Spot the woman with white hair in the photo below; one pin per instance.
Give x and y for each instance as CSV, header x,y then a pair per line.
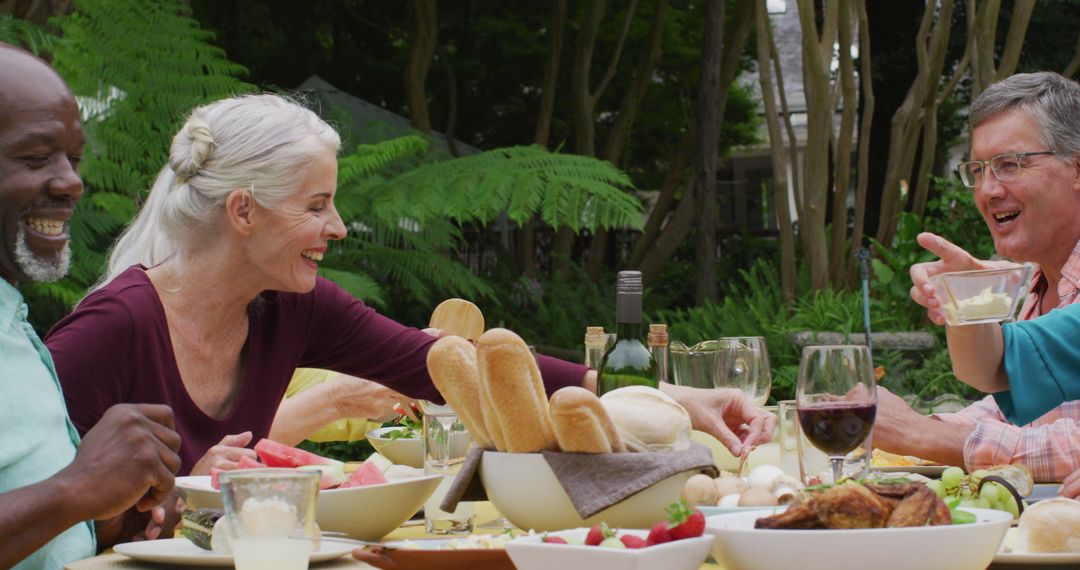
x,y
211,298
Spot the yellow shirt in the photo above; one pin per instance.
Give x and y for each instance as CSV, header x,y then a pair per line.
x,y
346,429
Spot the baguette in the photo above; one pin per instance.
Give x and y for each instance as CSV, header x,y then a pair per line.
x,y
451,362
581,423
512,391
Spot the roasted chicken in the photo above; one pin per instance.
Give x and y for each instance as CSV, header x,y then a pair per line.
x,y
855,505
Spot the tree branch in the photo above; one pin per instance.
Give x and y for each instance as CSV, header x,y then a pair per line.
x,y
613,65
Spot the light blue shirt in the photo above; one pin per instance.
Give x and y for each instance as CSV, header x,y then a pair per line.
x,y
36,437
1042,361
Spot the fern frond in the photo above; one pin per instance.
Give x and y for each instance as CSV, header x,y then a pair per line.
x,y
26,35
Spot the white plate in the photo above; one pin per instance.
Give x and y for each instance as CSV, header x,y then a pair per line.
x,y
183,552
740,546
530,553
927,470
712,511
1043,491
1032,559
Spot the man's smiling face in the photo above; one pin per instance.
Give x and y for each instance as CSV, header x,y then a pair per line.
x,y
41,144
1033,217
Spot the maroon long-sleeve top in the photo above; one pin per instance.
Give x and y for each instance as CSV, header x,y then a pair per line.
x,y
115,348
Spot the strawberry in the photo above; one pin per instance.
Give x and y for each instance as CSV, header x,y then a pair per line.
x,y
632,541
659,534
597,534
553,539
684,521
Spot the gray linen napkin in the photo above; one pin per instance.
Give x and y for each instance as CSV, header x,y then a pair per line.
x,y
593,482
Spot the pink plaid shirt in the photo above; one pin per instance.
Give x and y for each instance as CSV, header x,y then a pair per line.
x,y
1050,445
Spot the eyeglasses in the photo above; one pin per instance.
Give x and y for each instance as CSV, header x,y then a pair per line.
x,y
1005,166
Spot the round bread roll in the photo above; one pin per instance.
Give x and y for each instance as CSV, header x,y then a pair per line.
x,y
1052,525
648,419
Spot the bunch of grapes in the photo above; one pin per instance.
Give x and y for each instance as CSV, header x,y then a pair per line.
x,y
971,491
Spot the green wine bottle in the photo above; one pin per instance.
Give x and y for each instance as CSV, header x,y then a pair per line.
x,y
628,362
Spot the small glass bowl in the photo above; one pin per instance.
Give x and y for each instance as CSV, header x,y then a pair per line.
x,y
983,295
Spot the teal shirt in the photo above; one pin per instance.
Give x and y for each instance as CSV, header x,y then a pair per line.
x,y
1042,361
36,437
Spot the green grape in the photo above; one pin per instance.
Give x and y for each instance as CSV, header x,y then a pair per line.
x,y
990,491
982,503
937,487
1009,504
997,506
968,503
952,477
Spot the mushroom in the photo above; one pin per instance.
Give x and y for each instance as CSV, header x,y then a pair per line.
x,y
763,475
785,488
700,490
729,485
729,501
757,498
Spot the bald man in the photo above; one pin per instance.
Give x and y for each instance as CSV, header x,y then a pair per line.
x,y
58,496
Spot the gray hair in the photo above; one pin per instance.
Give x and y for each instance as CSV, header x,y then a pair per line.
x,y
1051,100
255,142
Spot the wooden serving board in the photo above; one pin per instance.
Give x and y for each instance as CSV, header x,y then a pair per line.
x,y
458,317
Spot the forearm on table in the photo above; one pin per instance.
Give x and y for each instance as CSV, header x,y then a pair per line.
x,y
303,413
32,516
977,353
935,440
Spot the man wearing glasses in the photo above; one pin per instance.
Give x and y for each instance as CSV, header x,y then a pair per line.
x,y
1024,173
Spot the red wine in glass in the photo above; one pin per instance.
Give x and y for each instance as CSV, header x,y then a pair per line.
x,y
838,427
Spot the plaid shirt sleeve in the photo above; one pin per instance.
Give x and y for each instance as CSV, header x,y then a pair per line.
x,y
1049,446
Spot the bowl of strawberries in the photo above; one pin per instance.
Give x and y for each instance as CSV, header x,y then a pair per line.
x,y
677,543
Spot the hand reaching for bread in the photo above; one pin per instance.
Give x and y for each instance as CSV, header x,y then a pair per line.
x,y
726,414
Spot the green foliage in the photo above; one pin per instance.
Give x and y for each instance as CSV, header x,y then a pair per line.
x,y
26,35
405,209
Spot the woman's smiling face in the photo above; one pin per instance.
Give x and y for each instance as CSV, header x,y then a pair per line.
x,y
293,237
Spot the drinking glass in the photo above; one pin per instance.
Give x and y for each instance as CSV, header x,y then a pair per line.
x,y
445,443
693,366
271,517
744,364
836,399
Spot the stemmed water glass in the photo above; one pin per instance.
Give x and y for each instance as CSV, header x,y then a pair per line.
x,y
836,399
742,362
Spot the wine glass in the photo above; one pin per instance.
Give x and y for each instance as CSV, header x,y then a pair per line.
x,y
747,366
836,399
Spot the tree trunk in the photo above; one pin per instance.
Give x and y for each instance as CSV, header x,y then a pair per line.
x,y
818,131
671,236
420,54
840,258
557,30
910,119
672,182
36,12
868,102
708,101
620,130
451,114
776,145
584,100
1073,65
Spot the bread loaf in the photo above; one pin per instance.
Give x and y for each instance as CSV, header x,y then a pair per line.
x,y
1052,525
512,392
647,419
581,423
451,362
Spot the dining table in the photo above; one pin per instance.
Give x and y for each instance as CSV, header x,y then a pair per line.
x,y
411,530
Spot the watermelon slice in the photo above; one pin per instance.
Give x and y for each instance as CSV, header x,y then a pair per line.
x,y
368,473
248,463
330,475
275,454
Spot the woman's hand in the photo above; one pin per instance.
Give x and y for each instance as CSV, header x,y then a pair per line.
x,y
1070,488
226,454
726,414
358,398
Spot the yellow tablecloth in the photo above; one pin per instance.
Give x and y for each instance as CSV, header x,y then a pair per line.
x,y
109,561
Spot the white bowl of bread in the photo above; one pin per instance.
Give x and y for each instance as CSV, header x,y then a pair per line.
x,y
498,393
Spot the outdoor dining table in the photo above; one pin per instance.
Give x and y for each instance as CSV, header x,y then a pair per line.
x,y
484,511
